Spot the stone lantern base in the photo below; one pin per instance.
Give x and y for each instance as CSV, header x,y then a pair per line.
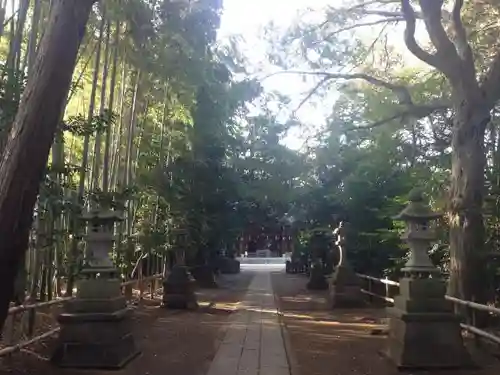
x,y
317,279
229,265
95,329
204,276
345,288
424,332
178,289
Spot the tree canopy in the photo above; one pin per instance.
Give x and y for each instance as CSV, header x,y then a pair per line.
x,y
159,122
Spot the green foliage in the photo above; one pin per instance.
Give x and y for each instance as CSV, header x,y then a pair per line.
x,y
79,125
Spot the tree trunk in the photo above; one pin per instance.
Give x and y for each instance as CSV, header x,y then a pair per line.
x,y
112,89
467,264
104,82
33,38
25,156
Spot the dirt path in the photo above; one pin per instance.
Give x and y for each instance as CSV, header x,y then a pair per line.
x,y
173,342
339,342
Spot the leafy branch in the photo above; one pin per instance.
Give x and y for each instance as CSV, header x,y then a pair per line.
x,y
402,93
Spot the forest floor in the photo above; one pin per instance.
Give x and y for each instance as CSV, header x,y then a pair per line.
x,y
176,342
326,341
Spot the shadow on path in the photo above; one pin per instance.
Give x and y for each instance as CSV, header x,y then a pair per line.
x,y
171,341
340,341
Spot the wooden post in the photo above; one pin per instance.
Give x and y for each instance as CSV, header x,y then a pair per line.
x,y
140,282
370,290
387,293
152,286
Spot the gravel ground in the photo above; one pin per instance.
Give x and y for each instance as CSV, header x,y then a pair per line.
x,y
171,342
339,342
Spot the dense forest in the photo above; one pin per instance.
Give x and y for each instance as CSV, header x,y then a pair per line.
x,y
136,105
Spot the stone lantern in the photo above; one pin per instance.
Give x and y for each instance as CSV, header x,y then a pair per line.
x,y
418,235
95,327
179,286
241,246
317,279
100,239
424,332
345,286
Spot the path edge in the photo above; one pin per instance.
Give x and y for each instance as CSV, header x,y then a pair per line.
x,y
292,361
220,339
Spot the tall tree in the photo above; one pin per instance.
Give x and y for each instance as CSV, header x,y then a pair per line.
x,y
462,52
25,156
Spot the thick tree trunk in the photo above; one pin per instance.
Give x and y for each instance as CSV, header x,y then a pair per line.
x,y
25,156
467,264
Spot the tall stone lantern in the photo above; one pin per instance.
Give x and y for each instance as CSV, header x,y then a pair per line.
x,y
424,332
95,327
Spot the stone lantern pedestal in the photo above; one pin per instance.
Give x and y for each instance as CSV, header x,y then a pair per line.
x,y
178,289
95,327
424,332
316,274
204,276
317,279
179,286
345,286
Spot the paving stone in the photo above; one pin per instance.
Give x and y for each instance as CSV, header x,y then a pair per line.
x,y
253,344
235,335
254,371
225,367
229,351
249,359
274,371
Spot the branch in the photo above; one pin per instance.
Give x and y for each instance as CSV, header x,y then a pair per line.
x,y
461,43
371,2
409,37
432,14
358,25
310,94
385,13
415,112
418,112
376,124
490,82
446,52
401,92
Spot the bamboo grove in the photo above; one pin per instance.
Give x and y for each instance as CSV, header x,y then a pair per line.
x,y
157,124
145,125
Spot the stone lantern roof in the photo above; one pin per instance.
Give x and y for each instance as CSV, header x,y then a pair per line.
x,y
417,210
97,215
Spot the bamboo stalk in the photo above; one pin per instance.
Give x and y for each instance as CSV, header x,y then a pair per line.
x,y
458,301
37,305
23,344
22,308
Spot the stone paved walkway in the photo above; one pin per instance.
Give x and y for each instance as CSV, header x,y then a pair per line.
x,y
253,344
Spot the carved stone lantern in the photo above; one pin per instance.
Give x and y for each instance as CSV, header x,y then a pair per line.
x,y
419,235
95,327
100,239
424,332
179,286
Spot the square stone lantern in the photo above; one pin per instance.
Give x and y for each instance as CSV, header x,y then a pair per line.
x,y
179,286
424,332
95,327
